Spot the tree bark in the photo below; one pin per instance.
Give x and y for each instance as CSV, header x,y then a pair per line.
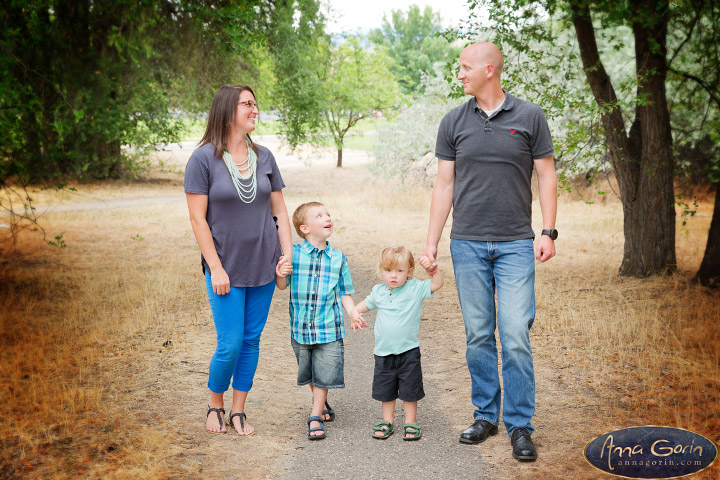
x,y
653,232
642,158
709,272
339,161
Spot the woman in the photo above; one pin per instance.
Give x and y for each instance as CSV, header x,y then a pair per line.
x,y
240,222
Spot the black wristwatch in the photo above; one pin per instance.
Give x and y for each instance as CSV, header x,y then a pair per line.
x,y
550,233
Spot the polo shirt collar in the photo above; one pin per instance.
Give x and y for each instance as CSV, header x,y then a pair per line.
x,y
507,104
309,248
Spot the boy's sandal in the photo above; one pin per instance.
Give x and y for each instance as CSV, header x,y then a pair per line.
x,y
243,417
218,411
329,411
321,428
412,429
385,428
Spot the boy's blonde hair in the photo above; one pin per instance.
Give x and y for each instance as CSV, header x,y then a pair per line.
x,y
393,256
300,215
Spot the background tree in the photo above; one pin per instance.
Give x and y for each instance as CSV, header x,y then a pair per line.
x,y
413,43
358,83
300,50
79,80
638,133
324,88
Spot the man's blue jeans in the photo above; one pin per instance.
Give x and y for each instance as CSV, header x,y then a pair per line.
x,y
483,269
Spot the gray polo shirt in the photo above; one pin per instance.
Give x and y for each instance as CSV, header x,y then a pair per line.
x,y
245,235
492,197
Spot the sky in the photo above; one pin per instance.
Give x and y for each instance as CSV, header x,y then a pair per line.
x,y
363,15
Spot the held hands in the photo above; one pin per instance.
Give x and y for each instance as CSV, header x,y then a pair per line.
x,y
357,320
429,264
429,257
283,267
545,249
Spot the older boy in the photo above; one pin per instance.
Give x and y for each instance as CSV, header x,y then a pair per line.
x,y
319,283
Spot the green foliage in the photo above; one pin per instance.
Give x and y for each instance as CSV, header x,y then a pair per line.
x,y
322,88
80,80
542,64
300,50
413,42
59,242
358,82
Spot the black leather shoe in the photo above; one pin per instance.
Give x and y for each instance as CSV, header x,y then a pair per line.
x,y
523,447
478,432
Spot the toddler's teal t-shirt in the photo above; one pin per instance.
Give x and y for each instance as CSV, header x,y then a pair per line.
x,y
398,318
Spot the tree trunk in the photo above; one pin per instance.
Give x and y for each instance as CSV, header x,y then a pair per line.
x,y
642,159
339,162
652,232
709,273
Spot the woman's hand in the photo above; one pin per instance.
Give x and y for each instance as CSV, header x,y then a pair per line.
x,y
220,281
283,267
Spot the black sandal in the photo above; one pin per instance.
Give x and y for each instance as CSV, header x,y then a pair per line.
x,y
218,411
243,417
328,411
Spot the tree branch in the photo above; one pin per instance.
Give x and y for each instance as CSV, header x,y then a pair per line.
x,y
705,86
689,35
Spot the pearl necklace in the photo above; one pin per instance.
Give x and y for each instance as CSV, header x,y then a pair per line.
x,y
245,185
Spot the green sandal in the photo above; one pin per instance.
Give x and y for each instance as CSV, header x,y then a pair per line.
x,y
385,428
412,429
321,428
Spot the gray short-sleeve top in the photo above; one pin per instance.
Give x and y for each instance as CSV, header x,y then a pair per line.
x,y
245,234
492,197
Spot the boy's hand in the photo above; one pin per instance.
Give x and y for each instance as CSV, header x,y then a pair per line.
x,y
430,267
283,267
357,320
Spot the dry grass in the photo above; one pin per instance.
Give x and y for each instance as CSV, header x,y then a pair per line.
x,y
77,323
70,324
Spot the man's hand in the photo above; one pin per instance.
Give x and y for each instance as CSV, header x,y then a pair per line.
x,y
429,256
545,249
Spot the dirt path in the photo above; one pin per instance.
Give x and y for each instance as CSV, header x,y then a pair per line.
x,y
349,452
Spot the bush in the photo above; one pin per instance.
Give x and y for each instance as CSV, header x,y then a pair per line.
x,y
413,134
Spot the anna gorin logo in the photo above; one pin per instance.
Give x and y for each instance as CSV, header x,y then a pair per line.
x,y
651,452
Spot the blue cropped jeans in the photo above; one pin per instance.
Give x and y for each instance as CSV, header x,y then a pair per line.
x,y
483,269
239,318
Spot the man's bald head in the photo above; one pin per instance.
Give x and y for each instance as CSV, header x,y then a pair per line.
x,y
485,53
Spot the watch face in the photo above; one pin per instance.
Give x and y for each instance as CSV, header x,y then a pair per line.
x,y
551,233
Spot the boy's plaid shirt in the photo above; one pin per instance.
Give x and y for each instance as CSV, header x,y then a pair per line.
x,y
318,279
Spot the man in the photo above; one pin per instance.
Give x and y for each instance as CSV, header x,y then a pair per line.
x,y
486,150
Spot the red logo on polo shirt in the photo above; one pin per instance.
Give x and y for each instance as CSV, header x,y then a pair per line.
x,y
512,131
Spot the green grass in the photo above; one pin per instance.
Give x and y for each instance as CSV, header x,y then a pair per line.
x,y
360,142
354,138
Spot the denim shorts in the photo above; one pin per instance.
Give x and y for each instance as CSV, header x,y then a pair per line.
x,y
321,363
398,376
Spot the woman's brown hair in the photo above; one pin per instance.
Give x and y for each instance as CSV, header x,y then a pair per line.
x,y
222,116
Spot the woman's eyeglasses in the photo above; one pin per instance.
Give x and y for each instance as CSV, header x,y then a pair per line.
x,y
250,104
